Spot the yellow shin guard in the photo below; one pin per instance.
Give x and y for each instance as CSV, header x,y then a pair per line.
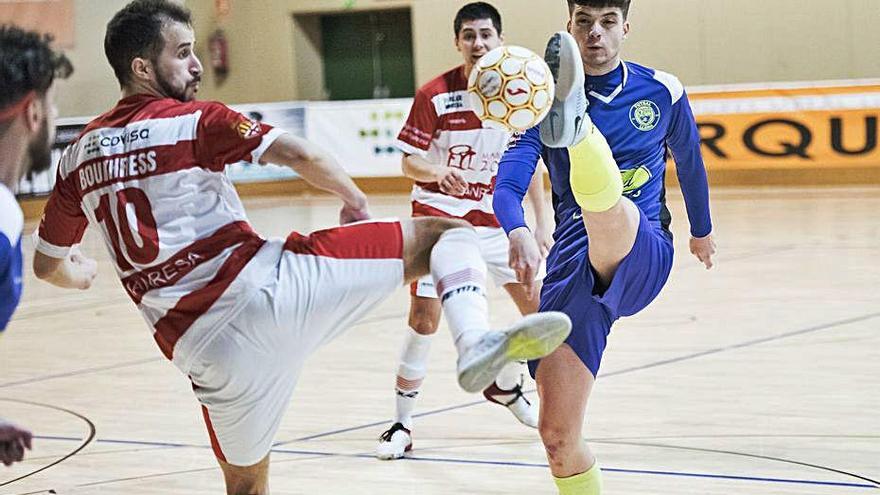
x,y
588,483
595,178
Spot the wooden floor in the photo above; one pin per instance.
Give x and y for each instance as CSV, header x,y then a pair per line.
x,y
761,376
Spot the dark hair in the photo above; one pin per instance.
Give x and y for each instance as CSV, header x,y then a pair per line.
x,y
28,63
474,12
136,31
623,5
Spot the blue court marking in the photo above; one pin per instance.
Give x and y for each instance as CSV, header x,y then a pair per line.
x,y
80,372
450,460
125,442
469,404
84,441
743,454
656,473
624,371
749,343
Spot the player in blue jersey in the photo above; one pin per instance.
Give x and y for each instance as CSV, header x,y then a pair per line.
x,y
613,250
28,68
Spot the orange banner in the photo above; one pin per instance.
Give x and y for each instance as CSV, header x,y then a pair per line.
x,y
789,127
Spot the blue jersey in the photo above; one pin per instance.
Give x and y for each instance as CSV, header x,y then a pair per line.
x,y
11,223
641,112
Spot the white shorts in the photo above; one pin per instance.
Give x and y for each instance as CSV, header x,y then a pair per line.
x,y
244,377
494,249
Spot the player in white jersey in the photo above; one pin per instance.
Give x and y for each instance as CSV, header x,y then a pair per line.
x,y
28,69
454,160
237,313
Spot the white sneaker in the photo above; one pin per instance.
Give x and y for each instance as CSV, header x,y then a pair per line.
x,y
394,443
532,337
515,402
568,122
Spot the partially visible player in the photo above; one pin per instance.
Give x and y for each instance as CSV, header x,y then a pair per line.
x,y
236,313
453,160
613,251
14,441
28,69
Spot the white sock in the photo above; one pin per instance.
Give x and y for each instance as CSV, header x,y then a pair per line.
x,y
410,374
510,376
460,277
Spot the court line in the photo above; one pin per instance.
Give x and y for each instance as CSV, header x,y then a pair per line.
x,y
742,435
364,321
81,372
750,343
875,483
624,371
451,460
89,438
97,453
656,473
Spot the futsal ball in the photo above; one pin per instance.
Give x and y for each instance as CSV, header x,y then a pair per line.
x,y
511,88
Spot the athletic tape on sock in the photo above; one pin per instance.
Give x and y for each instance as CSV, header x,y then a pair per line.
x,y
595,177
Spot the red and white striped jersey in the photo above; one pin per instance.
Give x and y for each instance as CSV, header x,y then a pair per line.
x,y
149,175
443,129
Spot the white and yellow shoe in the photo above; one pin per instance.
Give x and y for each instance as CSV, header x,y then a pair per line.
x,y
532,337
568,121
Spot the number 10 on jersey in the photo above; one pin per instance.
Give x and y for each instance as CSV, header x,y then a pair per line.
x,y
130,202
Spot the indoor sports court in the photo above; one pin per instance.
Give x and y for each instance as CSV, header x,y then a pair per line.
x,y
759,376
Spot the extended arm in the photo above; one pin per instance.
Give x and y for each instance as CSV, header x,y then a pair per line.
x,y
684,140
543,226
515,174
420,169
321,170
73,271
57,260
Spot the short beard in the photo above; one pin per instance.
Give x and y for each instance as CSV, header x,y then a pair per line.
x,y
166,87
40,151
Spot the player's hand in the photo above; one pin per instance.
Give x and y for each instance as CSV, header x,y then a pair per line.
x,y
355,208
350,214
83,270
451,182
703,248
13,442
544,238
524,257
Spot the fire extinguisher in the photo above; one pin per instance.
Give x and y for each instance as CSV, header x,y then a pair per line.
x,y
219,49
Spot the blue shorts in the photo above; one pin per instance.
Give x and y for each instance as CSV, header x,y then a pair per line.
x,y
571,288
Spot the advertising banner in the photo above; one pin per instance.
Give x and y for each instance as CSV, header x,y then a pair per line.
x,y
799,127
360,134
789,127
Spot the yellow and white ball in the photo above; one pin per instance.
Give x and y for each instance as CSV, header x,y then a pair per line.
x,y
511,88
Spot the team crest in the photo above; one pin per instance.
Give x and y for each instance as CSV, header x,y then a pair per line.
x,y
247,128
644,115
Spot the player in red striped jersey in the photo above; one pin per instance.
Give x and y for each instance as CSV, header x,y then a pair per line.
x,y
237,313
453,161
